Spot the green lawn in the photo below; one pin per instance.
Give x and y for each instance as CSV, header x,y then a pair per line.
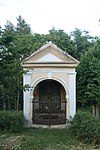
x,y
42,139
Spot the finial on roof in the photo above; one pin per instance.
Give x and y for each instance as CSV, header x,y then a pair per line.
x,y
50,42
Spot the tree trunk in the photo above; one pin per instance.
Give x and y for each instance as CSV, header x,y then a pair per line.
x,y
97,112
93,110
17,100
9,105
18,95
4,106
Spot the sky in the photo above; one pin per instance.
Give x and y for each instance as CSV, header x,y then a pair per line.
x,y
42,15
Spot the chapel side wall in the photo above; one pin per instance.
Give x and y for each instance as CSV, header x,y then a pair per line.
x,y
26,98
72,94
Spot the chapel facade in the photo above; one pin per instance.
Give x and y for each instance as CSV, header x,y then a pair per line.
x,y
50,99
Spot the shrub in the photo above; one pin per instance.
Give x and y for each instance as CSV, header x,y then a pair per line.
x,y
12,121
86,127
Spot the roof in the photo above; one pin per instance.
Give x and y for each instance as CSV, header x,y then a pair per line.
x,y
49,55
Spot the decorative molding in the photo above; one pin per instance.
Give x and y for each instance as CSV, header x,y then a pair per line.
x,y
53,71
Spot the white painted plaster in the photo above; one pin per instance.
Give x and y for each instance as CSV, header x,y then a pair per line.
x,y
26,102
72,95
67,107
49,57
49,75
68,70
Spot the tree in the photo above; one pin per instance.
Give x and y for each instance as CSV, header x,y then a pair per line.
x,y
22,26
82,41
58,37
62,40
7,37
88,79
15,45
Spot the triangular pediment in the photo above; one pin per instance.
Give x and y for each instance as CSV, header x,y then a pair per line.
x,y
50,53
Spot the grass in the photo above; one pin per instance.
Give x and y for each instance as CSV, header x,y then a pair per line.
x,y
42,139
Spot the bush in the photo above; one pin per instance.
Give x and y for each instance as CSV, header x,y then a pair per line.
x,y
12,121
86,127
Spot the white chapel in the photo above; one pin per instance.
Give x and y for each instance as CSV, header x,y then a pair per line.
x,y
50,100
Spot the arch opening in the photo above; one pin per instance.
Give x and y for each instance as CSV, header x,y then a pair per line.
x,y
49,103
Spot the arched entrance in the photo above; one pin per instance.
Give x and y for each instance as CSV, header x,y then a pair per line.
x,y
49,104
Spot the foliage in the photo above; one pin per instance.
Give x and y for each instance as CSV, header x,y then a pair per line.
x,y
15,45
82,41
22,26
18,42
88,77
12,121
86,127
62,40
58,37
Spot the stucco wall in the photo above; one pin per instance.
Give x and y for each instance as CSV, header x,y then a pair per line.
x,y
67,77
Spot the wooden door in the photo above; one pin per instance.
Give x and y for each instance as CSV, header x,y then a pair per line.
x,y
49,110
49,96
